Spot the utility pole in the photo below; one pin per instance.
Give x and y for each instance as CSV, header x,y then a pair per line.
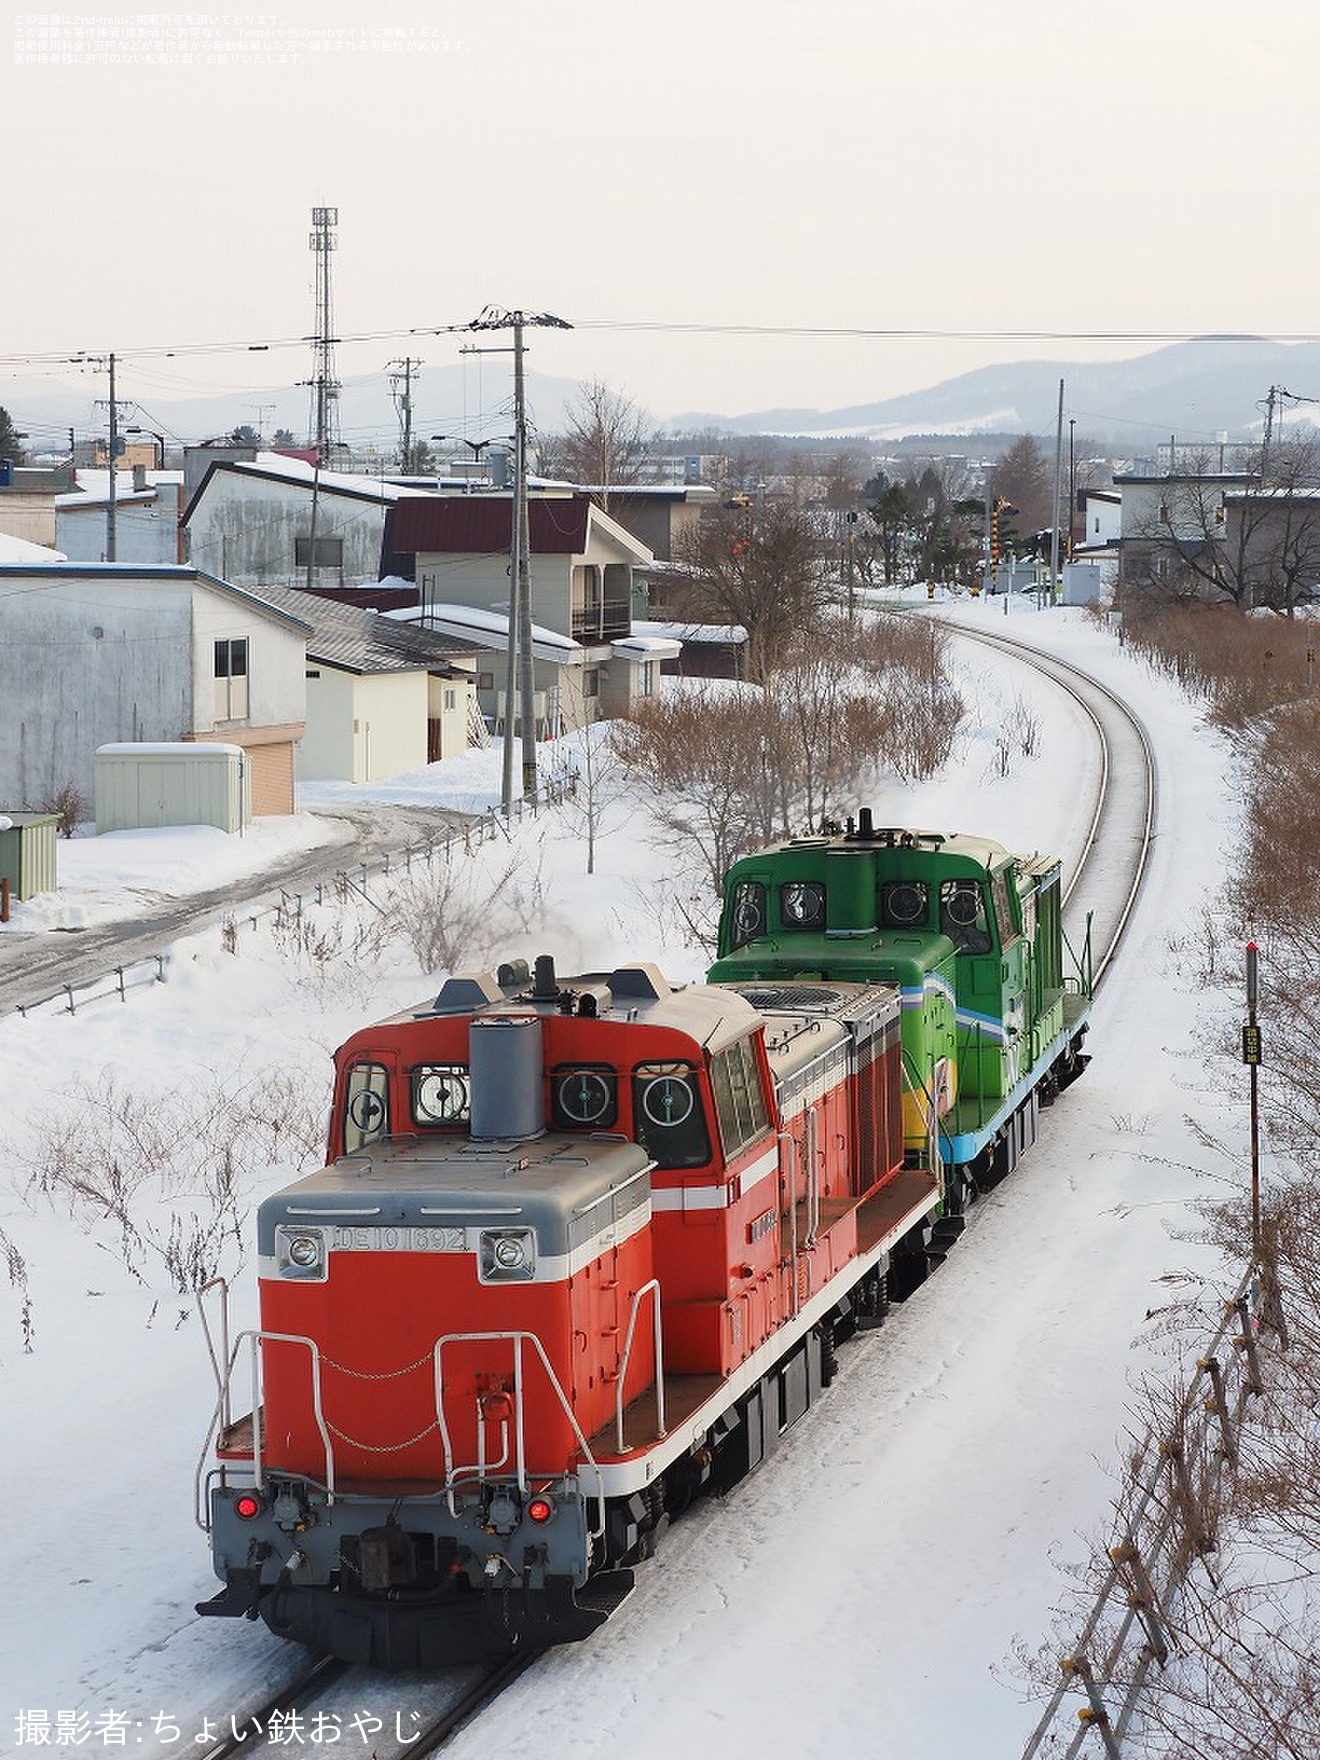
x,y
1269,431
520,580
1058,469
107,364
111,530
404,370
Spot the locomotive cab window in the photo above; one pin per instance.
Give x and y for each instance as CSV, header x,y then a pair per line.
x,y
746,912
740,1104
585,1097
441,1095
1003,907
366,1106
668,1117
963,916
802,905
903,904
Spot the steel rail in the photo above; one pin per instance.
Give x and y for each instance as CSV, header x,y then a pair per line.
x,y
250,1733
1076,684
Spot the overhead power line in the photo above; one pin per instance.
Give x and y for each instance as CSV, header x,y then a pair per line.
x,y
165,351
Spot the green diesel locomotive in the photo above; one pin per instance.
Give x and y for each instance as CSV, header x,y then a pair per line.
x,y
971,935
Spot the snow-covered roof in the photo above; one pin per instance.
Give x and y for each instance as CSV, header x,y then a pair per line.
x,y
168,748
690,632
92,488
21,550
490,629
647,647
328,482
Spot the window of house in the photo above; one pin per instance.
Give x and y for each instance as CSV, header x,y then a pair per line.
x,y
449,698
591,681
646,678
329,553
231,679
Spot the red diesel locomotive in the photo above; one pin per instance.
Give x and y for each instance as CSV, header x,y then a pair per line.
x,y
583,1251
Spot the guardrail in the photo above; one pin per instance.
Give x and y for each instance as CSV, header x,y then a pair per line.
x,y
1179,1484
121,981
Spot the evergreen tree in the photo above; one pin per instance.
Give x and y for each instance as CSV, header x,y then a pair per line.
x,y
11,446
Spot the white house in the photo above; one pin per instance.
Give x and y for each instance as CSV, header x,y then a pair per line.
x,y
97,653
278,520
383,696
147,515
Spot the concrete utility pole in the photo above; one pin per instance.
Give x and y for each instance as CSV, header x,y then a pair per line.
x,y
1058,470
111,527
520,579
402,374
107,364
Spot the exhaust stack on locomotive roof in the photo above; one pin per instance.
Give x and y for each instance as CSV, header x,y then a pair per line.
x,y
506,1069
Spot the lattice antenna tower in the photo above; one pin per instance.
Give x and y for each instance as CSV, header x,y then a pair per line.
x,y
323,422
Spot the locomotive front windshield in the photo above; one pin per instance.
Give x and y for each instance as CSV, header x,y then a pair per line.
x,y
585,1097
366,1106
668,1117
963,916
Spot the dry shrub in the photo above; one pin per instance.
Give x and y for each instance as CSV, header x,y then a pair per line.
x,y
733,770
1242,667
456,915
159,1180
16,1265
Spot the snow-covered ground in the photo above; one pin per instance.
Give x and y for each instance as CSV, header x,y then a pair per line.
x,y
861,1595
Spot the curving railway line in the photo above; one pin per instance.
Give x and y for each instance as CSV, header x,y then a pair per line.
x,y
1110,866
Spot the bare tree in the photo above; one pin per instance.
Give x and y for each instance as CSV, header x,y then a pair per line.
x,y
587,781
1025,478
605,444
760,567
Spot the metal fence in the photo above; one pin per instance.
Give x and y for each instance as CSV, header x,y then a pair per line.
x,y
123,981
1180,1483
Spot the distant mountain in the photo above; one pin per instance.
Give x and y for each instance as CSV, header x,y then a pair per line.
x,y
1195,390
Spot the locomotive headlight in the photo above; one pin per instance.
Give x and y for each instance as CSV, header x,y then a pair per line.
x,y
300,1253
508,1255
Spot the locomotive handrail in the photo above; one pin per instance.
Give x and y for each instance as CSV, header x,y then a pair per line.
x,y
222,1356
791,1171
220,1420
255,1339
653,1285
517,1340
812,1155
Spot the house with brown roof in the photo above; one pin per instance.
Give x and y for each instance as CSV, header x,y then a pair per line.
x,y
588,664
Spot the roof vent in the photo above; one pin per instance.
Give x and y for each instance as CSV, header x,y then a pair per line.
x,y
646,982
467,993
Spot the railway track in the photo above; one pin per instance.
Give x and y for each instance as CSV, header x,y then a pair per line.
x,y
328,1703
1108,871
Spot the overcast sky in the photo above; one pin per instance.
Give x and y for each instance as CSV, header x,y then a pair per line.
x,y
742,173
